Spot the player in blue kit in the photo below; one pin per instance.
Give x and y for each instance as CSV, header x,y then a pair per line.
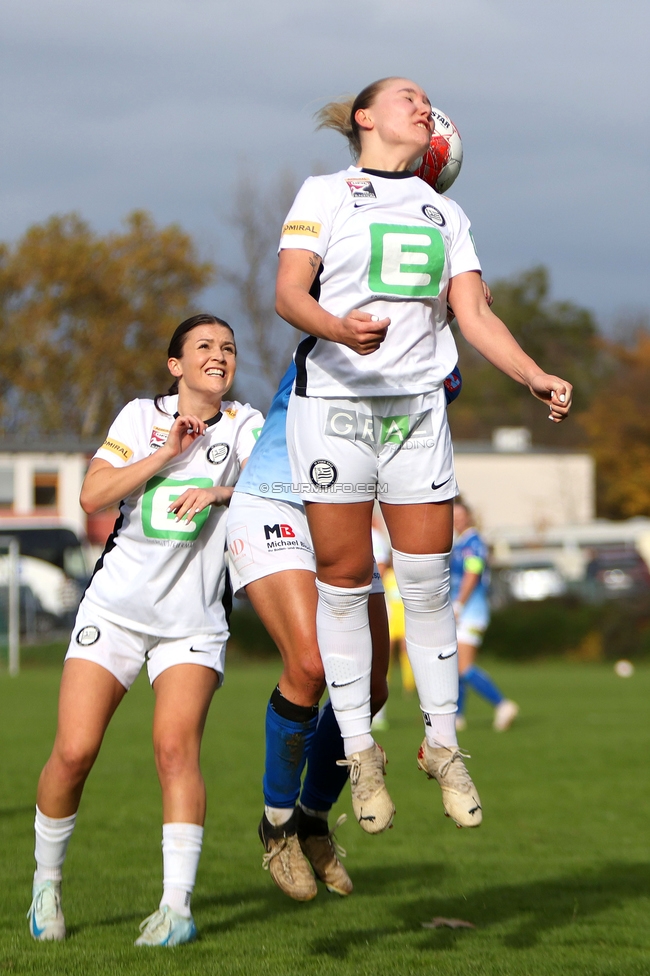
x,y
469,586
272,559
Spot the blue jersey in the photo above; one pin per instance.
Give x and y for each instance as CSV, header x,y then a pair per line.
x,y
268,472
469,555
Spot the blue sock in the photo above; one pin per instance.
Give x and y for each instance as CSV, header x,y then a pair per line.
x,y
462,692
483,684
324,780
289,731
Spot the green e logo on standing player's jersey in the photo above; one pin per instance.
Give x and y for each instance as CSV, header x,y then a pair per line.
x,y
157,522
406,260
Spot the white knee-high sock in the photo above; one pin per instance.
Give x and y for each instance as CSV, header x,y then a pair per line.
x,y
52,838
431,643
181,846
346,650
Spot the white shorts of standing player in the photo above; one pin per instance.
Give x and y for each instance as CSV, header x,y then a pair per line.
x,y
268,535
123,651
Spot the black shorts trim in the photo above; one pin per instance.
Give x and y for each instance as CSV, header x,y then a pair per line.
x,y
300,358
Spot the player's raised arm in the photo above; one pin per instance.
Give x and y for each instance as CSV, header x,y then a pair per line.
x,y
489,336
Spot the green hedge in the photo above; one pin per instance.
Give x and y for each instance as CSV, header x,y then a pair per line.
x,y
608,631
521,631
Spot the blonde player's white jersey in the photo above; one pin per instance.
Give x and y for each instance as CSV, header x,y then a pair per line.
x,y
156,575
389,245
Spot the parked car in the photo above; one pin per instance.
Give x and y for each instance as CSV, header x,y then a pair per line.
x,y
54,568
529,581
616,572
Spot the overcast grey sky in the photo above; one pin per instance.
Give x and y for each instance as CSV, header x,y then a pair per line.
x,y
157,103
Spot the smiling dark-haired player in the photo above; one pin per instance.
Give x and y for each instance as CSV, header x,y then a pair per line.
x,y
158,596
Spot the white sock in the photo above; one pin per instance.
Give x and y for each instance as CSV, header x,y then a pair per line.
x,y
346,650
52,838
440,730
278,815
181,845
431,642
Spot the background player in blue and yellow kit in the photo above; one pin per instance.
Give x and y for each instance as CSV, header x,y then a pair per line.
x,y
470,580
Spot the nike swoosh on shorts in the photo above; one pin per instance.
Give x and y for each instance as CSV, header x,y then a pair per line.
x,y
435,486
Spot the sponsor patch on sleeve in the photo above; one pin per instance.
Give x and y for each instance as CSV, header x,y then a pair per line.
x,y
116,447
305,228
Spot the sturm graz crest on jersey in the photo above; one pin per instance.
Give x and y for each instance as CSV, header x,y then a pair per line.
x,y
433,214
87,636
323,473
218,453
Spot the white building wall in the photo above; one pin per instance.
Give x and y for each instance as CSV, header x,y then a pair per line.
x,y
70,469
23,482
527,490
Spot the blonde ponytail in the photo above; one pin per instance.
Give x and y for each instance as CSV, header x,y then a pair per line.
x,y
340,115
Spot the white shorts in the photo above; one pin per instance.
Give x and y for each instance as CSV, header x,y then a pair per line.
x,y
471,627
123,651
395,449
266,536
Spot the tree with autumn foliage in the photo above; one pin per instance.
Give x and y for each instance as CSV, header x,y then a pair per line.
x,y
617,423
85,319
561,336
256,218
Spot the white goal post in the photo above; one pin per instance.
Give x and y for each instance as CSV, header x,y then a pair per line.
x,y
11,545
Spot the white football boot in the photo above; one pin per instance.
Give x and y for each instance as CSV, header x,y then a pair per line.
x,y
504,715
284,859
460,797
166,927
46,922
322,850
371,801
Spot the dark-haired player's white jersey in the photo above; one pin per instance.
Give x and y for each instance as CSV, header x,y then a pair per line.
x,y
156,575
389,245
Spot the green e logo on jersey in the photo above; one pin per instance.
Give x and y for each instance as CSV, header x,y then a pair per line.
x,y
406,260
157,522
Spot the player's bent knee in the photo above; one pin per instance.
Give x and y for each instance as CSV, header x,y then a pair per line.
x,y
174,757
73,762
307,674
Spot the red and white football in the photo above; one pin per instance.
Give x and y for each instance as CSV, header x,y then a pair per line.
x,y
441,163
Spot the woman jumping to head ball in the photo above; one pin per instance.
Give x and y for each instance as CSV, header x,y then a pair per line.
x,y
369,258
157,595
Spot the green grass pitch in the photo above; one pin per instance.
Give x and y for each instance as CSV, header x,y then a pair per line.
x,y
557,880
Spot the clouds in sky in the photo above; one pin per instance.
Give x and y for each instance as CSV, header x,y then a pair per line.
x,y
159,104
